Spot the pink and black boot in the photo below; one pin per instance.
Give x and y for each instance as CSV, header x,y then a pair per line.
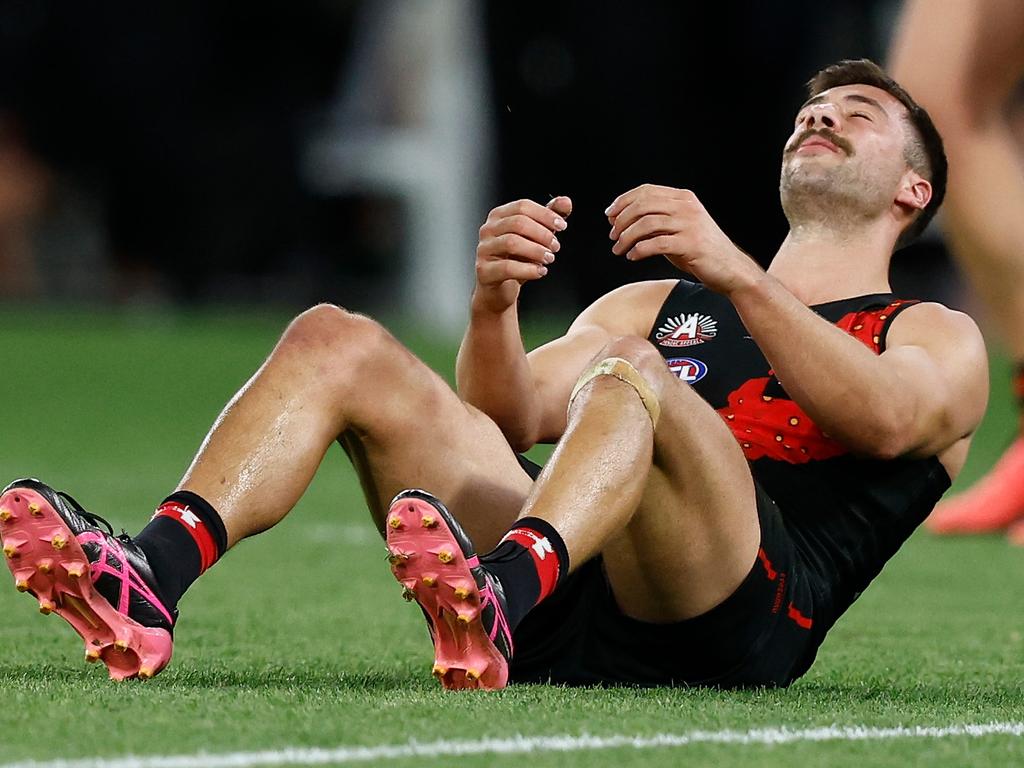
x,y
101,584
434,559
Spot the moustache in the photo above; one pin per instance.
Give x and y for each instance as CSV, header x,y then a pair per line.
x,y
842,144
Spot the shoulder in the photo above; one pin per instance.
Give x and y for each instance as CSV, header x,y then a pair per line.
x,y
950,338
930,322
629,310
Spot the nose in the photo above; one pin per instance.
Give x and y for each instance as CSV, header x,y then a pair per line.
x,y
822,115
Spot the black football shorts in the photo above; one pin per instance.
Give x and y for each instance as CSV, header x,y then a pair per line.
x,y
761,635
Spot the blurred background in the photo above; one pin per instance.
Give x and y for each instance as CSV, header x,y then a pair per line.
x,y
271,155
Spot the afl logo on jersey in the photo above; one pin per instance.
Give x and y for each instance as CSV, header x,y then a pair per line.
x,y
687,330
686,368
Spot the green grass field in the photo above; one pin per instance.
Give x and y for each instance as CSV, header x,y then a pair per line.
x,y
299,638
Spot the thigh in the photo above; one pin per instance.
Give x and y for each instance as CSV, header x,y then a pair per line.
x,y
995,57
408,429
764,634
695,533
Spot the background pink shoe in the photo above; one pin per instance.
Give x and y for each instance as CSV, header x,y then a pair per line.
x,y
992,504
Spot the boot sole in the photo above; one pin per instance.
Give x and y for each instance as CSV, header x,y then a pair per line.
x,y
428,562
48,562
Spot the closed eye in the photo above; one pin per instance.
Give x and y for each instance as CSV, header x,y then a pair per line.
x,y
862,114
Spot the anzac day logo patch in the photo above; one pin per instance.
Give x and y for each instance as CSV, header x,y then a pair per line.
x,y
687,330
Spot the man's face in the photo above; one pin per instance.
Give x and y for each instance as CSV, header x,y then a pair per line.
x,y
847,146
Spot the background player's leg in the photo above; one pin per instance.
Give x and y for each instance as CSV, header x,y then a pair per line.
x,y
964,65
334,374
672,510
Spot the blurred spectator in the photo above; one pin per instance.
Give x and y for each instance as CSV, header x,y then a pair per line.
x,y
184,123
24,184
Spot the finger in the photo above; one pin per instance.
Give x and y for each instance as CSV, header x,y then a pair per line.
x,y
621,202
561,205
534,210
521,225
645,206
500,270
515,248
656,246
644,228
641,194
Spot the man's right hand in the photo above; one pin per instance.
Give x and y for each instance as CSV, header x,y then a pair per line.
x,y
517,243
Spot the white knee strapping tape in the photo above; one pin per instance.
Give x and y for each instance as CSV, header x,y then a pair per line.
x,y
623,371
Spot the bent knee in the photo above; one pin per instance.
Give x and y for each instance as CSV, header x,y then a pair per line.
x,y
639,353
328,335
330,325
644,370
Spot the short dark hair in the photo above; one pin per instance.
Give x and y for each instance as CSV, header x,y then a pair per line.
x,y
926,156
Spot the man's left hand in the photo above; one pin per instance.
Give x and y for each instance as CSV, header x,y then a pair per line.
x,y
652,220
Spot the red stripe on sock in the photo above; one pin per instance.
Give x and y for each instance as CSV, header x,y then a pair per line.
x,y
196,529
544,558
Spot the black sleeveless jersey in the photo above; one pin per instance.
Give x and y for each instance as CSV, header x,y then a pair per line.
x,y
847,514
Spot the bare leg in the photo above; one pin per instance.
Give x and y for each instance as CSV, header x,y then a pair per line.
x,y
333,373
337,374
672,510
963,64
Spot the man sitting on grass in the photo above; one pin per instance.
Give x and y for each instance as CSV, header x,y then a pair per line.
x,y
737,458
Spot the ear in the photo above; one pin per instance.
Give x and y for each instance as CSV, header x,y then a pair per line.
x,y
914,192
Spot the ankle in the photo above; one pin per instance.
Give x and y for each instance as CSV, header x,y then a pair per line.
x,y
182,540
529,562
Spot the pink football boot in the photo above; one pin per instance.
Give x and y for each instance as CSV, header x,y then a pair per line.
x,y
99,583
433,558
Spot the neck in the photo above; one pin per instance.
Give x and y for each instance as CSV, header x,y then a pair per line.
x,y
818,265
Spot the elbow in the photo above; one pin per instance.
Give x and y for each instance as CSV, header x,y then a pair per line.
x,y
874,444
883,435
520,430
888,439
887,448
900,436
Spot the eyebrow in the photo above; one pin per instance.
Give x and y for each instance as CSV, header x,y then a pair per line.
x,y
849,97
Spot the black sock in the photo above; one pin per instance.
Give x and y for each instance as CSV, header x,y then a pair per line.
x,y
184,538
530,562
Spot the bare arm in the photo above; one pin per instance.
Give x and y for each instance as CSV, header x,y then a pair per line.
x,y
526,396
925,392
517,243
928,390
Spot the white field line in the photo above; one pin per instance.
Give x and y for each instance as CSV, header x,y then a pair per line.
x,y
529,744
345,533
